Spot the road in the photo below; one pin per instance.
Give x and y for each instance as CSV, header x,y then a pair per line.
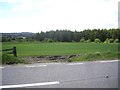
x,y
97,74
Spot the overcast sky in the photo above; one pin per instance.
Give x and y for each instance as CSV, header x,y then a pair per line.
x,y
45,15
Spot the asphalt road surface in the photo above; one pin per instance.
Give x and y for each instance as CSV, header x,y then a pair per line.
x,y
97,74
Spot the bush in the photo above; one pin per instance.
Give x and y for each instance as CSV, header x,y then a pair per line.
x,y
107,41
109,52
88,41
73,41
97,40
111,40
97,53
45,40
69,60
116,41
9,59
82,40
50,40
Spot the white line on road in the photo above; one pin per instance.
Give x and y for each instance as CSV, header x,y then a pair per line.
x,y
52,63
28,85
2,67
35,65
108,61
74,63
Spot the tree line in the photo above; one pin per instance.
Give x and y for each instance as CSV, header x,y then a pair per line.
x,y
77,36
87,35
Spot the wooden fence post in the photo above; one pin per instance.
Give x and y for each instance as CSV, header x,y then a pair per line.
x,y
14,51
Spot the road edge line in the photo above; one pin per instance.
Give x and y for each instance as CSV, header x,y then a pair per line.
x,y
28,85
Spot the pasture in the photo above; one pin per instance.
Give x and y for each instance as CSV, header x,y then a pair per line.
x,y
44,49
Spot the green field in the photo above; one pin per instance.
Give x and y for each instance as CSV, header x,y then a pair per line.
x,y
39,49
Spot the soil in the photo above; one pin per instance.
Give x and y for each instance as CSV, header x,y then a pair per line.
x,y
49,59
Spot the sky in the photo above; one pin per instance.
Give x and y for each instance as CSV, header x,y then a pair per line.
x,y
45,15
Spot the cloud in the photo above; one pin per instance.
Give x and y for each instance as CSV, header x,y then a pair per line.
x,y
8,1
37,15
17,1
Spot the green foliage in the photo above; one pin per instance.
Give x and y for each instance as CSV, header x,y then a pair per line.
x,y
19,39
111,40
82,40
116,41
88,41
45,40
97,40
97,53
66,36
96,56
50,40
69,60
11,59
6,39
8,58
107,41
69,36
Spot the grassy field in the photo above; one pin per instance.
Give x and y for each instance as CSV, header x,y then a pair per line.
x,y
88,51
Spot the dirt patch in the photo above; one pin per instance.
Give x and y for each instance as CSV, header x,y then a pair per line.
x,y
49,59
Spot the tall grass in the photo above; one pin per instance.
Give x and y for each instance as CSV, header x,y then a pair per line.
x,y
10,59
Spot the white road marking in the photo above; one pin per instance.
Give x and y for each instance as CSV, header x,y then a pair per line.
x,y
2,67
28,85
35,65
113,61
74,63
52,63
108,61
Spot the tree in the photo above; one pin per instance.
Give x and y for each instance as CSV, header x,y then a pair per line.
x,y
90,35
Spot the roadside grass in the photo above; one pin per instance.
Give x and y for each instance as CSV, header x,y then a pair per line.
x,y
95,56
9,59
87,51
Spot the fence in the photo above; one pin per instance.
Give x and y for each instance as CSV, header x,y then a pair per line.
x,y
13,51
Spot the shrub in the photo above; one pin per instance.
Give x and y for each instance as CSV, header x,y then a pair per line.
x,y
97,53
82,40
107,41
116,41
111,40
45,40
73,41
11,59
97,40
50,40
88,41
69,60
8,58
109,52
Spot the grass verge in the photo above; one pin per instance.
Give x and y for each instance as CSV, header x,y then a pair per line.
x,y
95,56
9,59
